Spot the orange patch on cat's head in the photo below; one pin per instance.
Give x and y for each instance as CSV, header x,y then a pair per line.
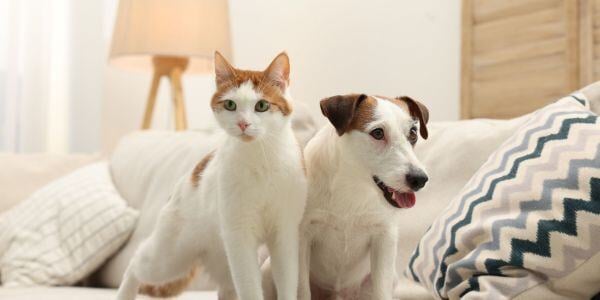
x,y
271,83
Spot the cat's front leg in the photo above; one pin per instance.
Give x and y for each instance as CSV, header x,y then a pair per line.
x,y
241,247
283,247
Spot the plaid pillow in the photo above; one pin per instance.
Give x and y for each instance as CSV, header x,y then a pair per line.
x,y
64,231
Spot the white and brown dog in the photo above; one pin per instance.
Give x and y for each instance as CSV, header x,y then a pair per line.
x,y
361,172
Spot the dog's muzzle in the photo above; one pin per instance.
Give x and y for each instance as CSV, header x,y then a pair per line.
x,y
396,198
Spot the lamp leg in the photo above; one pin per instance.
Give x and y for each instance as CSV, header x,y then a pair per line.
x,y
179,105
151,101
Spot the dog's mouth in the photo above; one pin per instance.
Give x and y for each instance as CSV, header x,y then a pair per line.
x,y
396,198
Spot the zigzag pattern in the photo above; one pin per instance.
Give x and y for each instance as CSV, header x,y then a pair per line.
x,y
562,134
566,226
482,182
526,233
575,148
541,246
521,143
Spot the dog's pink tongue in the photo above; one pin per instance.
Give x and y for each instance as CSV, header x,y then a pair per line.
x,y
405,200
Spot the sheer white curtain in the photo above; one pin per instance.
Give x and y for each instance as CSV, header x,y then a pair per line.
x,y
52,57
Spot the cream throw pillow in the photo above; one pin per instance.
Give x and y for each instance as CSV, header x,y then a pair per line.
x,y
64,231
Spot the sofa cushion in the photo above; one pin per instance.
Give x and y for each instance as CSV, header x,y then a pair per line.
x,y
528,217
65,230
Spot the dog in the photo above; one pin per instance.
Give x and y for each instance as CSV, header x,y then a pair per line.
x,y
362,172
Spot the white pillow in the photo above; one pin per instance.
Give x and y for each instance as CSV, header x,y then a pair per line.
x,y
64,231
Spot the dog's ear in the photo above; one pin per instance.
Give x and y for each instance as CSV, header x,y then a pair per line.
x,y
417,110
340,110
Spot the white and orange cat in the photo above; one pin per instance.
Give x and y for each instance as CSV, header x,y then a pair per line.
x,y
251,190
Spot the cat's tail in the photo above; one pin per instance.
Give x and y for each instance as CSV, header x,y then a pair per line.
x,y
168,289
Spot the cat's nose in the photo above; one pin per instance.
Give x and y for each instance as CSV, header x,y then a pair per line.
x,y
243,125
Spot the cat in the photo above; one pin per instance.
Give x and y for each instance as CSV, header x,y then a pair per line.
x,y
249,191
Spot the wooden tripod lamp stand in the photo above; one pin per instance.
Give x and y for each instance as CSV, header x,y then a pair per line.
x,y
169,37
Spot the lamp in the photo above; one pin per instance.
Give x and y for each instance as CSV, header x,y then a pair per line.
x,y
170,37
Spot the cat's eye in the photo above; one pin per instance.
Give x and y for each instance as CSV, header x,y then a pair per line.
x,y
377,133
412,135
262,106
229,105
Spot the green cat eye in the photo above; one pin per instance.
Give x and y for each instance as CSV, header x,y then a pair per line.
x,y
229,105
262,106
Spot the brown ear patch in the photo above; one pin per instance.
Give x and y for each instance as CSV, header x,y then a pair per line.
x,y
199,169
348,112
417,110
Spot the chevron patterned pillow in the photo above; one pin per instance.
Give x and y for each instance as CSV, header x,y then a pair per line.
x,y
527,224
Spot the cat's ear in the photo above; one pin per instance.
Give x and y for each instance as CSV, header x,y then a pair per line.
x,y
340,110
278,72
224,72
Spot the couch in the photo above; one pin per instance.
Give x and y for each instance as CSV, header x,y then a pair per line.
x,y
145,165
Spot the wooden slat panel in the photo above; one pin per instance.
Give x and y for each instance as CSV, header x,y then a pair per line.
x,y
571,16
593,66
520,52
466,59
489,10
586,41
596,20
596,6
514,36
596,67
500,89
512,111
508,31
596,34
596,51
533,64
518,91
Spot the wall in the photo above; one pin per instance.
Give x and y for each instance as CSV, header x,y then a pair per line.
x,y
387,47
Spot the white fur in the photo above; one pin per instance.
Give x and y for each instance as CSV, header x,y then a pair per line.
x,y
349,230
250,193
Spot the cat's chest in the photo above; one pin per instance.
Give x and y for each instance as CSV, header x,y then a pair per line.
x,y
258,179
254,172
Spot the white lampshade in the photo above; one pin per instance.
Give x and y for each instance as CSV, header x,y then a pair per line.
x,y
192,29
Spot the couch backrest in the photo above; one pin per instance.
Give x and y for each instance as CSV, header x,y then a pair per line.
x,y
23,174
146,165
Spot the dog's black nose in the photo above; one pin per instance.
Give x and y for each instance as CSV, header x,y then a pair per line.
x,y
416,180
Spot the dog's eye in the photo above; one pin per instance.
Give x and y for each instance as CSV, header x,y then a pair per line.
x,y
377,133
413,136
